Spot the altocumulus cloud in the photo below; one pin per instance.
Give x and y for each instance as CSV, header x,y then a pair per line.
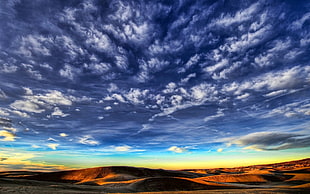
x,y
152,73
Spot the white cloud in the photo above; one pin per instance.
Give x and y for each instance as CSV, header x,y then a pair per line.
x,y
31,45
275,93
88,140
177,149
170,88
51,139
192,61
98,40
6,68
35,146
119,97
218,114
53,97
28,91
295,77
239,17
185,80
69,72
58,112
243,96
121,62
108,108
19,113
176,100
46,66
40,102
53,146
63,135
136,96
297,25
124,148
181,98
219,65
149,67
203,92
301,108
2,94
99,68
3,112
248,40
27,105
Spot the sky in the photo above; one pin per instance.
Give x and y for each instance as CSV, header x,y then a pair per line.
x,y
159,84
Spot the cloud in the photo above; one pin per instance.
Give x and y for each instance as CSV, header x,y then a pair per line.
x,y
40,102
108,108
10,129
35,146
31,45
52,97
289,78
218,114
195,62
4,122
88,140
239,17
63,135
27,105
2,94
177,149
276,93
4,112
6,68
136,95
220,150
290,110
124,148
297,25
53,146
7,136
69,72
269,141
19,113
15,159
58,112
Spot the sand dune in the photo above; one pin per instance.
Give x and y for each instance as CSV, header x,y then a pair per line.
x,y
238,178
121,173
122,179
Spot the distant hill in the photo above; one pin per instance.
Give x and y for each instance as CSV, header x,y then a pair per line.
x,y
290,165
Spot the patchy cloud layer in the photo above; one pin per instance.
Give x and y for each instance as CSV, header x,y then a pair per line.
x,y
159,75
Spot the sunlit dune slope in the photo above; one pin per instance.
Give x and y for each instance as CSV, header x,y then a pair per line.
x,y
245,178
113,173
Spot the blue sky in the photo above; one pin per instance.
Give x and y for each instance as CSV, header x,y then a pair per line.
x,y
89,83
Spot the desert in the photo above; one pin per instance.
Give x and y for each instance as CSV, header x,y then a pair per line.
x,y
286,177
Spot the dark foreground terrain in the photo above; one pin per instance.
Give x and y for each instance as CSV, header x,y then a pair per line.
x,y
288,177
